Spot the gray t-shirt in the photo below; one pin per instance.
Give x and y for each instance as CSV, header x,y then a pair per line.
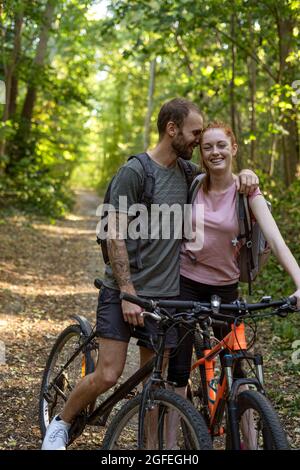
x,y
159,276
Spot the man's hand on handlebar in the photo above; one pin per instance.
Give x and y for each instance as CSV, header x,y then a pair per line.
x,y
131,312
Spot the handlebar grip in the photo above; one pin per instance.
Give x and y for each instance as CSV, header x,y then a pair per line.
x,y
98,283
136,300
179,304
293,300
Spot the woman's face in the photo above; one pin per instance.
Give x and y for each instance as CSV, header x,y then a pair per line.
x,y
217,150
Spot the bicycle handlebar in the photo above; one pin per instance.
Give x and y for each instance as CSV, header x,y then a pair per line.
x,y
206,307
283,305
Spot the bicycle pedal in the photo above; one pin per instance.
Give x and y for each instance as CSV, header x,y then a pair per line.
x,y
219,432
131,394
77,427
98,422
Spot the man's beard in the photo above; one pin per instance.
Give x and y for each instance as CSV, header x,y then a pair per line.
x,y
181,148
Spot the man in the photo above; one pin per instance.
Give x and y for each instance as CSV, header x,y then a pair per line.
x,y
179,127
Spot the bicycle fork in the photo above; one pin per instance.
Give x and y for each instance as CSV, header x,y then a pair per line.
x,y
234,386
154,379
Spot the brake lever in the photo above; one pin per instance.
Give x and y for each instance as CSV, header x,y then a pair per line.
x,y
282,314
152,315
285,309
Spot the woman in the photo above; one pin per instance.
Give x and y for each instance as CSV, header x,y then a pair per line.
x,y
213,269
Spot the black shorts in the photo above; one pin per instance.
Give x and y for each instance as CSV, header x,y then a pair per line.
x,y
111,324
180,361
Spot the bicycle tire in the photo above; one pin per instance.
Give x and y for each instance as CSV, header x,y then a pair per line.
x,y
194,426
195,389
273,436
65,345
198,345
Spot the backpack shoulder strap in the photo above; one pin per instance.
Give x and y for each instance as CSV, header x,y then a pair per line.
x,y
243,215
245,227
195,186
149,180
146,196
187,169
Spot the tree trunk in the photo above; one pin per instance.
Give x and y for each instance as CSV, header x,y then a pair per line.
x,y
232,84
252,72
291,146
241,152
273,154
21,142
10,69
10,77
13,96
30,98
150,104
286,73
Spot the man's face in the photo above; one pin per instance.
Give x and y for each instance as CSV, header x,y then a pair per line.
x,y
188,136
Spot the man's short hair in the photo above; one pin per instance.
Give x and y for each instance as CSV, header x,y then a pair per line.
x,y
175,110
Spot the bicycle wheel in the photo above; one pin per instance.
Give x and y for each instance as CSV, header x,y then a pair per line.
x,y
198,345
51,401
122,433
259,425
195,390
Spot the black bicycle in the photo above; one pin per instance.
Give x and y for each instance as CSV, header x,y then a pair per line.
x,y
235,407
143,423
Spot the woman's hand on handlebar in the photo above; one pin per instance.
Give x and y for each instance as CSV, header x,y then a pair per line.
x,y
297,295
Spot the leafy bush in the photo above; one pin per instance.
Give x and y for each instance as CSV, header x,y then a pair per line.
x,y
38,191
273,280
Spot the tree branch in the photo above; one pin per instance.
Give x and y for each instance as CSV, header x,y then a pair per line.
x,y
181,46
248,52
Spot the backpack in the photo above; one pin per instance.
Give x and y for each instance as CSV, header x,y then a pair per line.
x,y
145,197
255,250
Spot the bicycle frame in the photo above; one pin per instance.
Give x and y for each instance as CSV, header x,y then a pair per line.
x,y
214,399
99,416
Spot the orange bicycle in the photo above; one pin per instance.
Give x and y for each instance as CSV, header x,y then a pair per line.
x,y
230,406
236,407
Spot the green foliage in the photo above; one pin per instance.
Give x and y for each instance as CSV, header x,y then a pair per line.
x,y
91,89
36,191
273,280
285,208
38,152
287,329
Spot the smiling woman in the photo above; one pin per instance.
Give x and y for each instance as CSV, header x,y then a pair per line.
x,y
213,269
216,266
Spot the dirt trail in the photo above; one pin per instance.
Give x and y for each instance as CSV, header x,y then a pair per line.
x,y
47,274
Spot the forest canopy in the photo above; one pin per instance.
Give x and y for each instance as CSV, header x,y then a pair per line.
x,y
85,79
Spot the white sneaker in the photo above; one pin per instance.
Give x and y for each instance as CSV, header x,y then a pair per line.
x,y
56,437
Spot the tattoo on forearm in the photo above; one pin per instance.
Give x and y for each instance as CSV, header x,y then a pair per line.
x,y
118,257
117,251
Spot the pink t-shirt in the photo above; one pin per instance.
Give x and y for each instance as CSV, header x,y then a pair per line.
x,y
216,262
